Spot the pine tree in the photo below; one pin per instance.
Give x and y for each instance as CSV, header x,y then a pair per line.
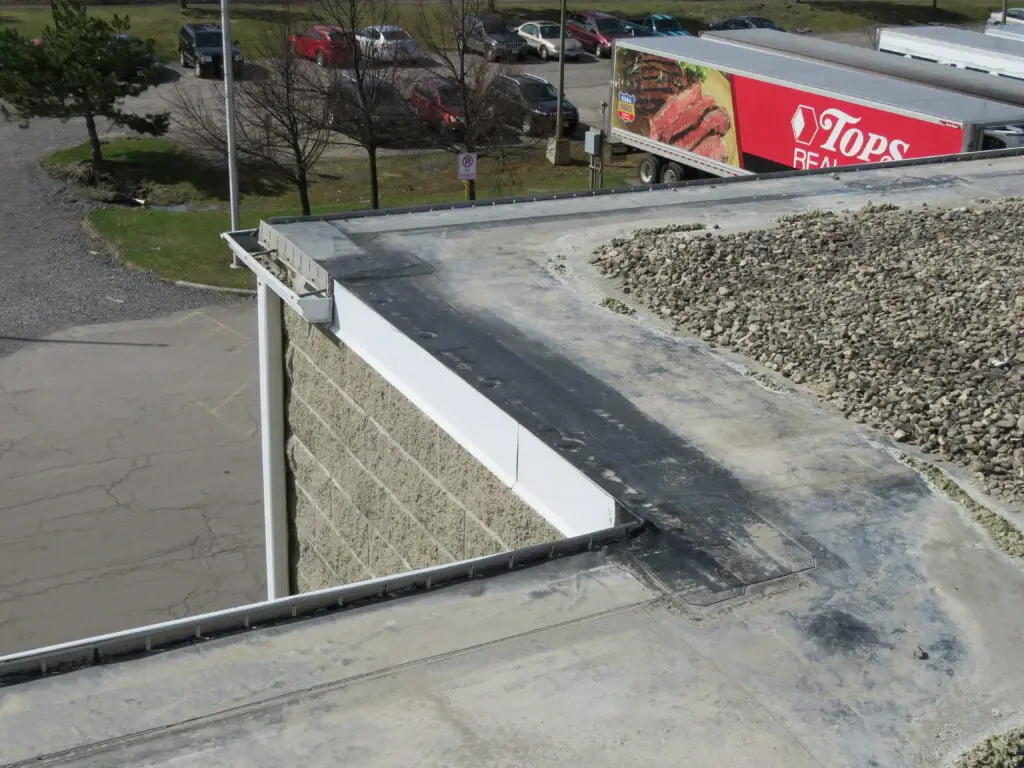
x,y
79,68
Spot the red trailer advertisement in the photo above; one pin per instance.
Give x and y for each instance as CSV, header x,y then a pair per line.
x,y
734,120
804,130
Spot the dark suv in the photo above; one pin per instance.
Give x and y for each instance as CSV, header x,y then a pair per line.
x,y
200,47
532,104
489,35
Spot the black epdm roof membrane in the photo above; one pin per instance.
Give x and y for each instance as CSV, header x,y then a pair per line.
x,y
699,513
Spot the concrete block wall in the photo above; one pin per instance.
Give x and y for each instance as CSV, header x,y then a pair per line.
x,y
376,487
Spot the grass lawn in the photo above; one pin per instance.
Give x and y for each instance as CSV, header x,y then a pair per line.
x,y
185,244
161,22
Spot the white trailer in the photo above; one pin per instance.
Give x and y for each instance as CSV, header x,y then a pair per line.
x,y
697,105
956,48
1004,89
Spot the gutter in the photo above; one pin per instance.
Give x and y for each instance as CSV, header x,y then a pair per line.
x,y
154,638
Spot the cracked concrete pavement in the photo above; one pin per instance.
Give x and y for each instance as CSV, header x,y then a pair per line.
x,y
129,462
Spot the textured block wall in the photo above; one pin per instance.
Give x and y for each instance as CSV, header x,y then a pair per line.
x,y
375,486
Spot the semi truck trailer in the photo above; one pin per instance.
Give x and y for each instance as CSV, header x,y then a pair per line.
x,y
956,48
1005,89
699,107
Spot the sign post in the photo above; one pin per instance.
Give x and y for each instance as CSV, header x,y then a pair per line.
x,y
467,173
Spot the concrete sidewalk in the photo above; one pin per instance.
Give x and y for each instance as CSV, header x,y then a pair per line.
x,y
129,476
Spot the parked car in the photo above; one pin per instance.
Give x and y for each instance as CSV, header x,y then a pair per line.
x,y
597,31
745,22
438,103
532,104
662,24
200,47
543,38
391,118
388,43
326,45
490,36
1013,16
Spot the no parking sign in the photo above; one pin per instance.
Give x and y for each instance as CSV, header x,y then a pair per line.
x,y
467,166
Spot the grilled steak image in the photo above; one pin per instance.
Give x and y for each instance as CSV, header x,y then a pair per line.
x,y
690,120
657,81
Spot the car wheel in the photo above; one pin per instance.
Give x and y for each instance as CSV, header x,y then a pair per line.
x,y
671,173
649,170
528,125
604,51
544,54
198,68
320,61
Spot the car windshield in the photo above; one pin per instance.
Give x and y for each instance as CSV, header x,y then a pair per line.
x,y
450,97
763,23
539,91
496,27
609,25
396,34
669,24
208,39
549,31
336,37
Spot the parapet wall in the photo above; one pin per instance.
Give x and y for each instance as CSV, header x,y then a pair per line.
x,y
375,486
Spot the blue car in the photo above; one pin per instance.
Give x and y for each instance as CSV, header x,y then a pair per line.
x,y
661,25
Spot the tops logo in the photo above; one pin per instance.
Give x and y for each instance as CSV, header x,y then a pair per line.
x,y
834,130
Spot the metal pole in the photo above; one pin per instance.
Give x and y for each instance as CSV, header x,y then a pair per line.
x,y
561,75
228,62
1004,13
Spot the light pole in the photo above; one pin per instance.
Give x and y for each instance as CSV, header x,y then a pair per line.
x,y
558,148
228,62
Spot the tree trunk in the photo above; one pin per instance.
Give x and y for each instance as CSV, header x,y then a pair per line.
x,y
471,190
94,139
183,4
371,153
302,183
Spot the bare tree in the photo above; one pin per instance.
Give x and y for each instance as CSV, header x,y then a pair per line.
x,y
280,114
365,102
466,80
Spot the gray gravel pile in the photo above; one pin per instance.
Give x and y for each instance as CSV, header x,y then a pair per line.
x,y
911,321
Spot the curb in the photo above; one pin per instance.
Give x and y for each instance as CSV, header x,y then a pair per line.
x,y
215,288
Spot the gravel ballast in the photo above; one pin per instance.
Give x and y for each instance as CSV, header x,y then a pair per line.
x,y
911,321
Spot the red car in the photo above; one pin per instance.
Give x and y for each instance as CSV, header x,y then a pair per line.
x,y
327,46
438,103
596,31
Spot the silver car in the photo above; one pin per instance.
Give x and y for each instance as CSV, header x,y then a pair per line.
x,y
388,43
542,37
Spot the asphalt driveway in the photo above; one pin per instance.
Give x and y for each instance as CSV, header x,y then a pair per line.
x,y
129,454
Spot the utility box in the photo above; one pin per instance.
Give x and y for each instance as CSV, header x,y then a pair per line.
x,y
593,142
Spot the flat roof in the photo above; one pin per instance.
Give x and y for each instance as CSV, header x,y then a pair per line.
x,y
863,87
770,616
978,84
